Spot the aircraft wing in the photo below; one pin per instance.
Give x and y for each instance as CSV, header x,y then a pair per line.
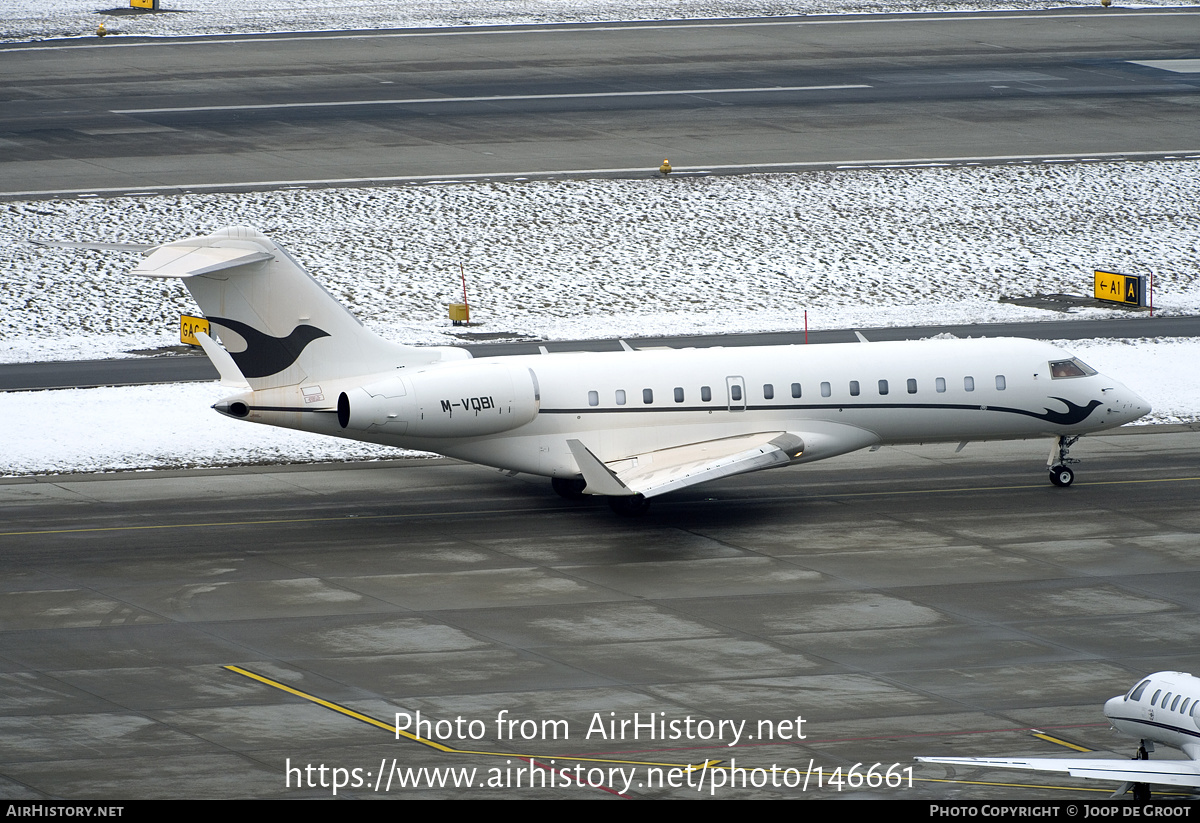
x,y
1160,772
665,470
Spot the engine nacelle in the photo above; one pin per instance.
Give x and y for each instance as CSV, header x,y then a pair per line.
x,y
465,400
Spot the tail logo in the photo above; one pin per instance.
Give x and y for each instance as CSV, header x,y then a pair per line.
x,y
265,355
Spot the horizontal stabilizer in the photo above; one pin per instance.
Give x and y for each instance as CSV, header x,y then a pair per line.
x,y
1160,772
178,260
231,375
70,244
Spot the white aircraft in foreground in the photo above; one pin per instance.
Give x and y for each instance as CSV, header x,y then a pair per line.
x,y
1162,708
628,425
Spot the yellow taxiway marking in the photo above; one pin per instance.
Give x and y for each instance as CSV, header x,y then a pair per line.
x,y
278,521
1049,739
1009,785
441,747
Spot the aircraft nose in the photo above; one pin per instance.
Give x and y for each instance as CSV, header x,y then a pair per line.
x,y
1125,405
1113,705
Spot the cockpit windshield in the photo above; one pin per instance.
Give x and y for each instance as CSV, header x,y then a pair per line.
x,y
1070,368
1136,692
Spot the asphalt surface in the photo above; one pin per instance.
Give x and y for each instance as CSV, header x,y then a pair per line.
x,y
197,368
903,602
244,112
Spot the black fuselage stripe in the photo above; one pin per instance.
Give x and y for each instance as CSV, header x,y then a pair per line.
x,y
290,409
797,407
778,408
1156,725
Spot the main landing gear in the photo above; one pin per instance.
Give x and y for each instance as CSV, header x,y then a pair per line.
x,y
1141,791
632,506
1060,473
569,488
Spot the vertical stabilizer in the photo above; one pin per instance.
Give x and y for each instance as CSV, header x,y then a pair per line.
x,y
280,326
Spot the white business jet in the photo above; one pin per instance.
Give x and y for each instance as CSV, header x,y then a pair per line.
x,y
627,425
1163,708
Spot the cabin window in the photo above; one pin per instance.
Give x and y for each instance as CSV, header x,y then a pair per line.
x,y
1136,693
969,383
647,396
1175,702
678,394
1154,699
1184,708
826,390
735,393
768,391
883,387
795,390
854,388
593,398
1000,382
1070,368
940,385
1166,697
706,394
912,386
620,397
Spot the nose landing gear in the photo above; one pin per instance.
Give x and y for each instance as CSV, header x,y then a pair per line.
x,y
1060,474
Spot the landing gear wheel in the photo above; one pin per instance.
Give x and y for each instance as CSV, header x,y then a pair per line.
x,y
569,488
1062,476
632,506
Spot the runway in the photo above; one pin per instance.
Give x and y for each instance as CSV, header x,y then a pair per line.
x,y
239,112
903,602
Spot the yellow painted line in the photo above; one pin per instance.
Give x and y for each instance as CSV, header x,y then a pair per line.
x,y
441,747
1049,739
1011,785
1107,791
340,709
432,515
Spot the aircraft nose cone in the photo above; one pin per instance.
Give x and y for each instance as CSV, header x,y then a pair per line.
x,y
1128,405
1113,706
1138,407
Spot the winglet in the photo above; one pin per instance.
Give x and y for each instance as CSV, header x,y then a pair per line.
x,y
231,375
599,477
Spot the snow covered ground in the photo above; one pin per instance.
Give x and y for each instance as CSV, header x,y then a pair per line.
x,y
24,20
604,258
601,258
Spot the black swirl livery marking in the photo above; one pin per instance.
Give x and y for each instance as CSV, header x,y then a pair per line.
x,y
266,355
1074,413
